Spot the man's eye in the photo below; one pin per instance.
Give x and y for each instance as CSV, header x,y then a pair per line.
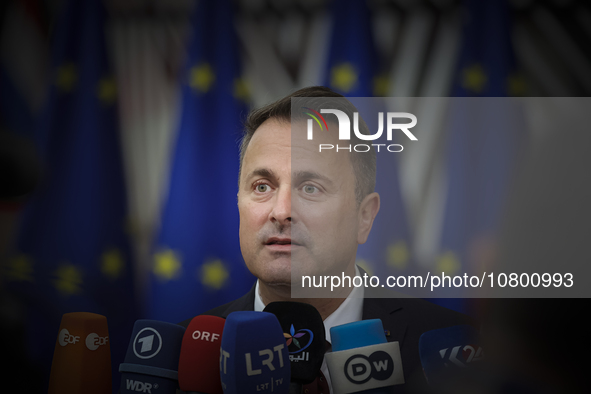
x,y
262,188
309,189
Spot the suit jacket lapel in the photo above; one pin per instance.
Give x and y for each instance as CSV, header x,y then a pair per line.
x,y
244,303
392,314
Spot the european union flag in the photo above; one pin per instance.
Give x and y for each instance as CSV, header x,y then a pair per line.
x,y
352,57
15,114
485,136
72,252
351,71
197,263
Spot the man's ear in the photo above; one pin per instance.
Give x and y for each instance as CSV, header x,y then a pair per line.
x,y
368,209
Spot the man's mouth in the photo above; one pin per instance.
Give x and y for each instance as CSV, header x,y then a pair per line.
x,y
279,242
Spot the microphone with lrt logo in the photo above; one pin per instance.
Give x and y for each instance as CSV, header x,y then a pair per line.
x,y
82,356
304,333
449,357
362,360
152,358
253,356
199,362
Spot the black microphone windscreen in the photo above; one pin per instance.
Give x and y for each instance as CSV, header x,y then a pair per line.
x,y
303,330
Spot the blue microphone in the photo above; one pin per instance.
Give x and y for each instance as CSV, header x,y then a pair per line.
x,y
152,359
362,360
253,355
447,352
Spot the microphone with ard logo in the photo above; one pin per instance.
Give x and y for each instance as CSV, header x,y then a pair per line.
x,y
304,334
253,356
362,360
82,356
199,362
448,353
152,358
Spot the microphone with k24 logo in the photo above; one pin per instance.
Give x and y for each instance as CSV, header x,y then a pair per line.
x,y
362,360
304,333
447,352
199,362
82,356
253,356
152,358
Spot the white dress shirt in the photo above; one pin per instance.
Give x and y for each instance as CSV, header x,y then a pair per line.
x,y
349,311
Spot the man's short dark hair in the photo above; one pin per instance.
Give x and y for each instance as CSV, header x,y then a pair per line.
x,y
364,163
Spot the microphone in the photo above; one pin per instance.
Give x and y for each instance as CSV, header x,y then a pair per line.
x,y
253,356
152,358
199,362
447,352
82,356
362,360
304,332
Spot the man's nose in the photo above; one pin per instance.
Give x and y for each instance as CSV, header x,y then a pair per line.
x,y
282,208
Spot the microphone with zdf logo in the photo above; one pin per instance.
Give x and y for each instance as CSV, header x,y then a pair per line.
x,y
362,359
253,356
152,358
82,356
199,363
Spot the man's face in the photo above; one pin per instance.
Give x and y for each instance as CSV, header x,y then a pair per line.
x,y
297,206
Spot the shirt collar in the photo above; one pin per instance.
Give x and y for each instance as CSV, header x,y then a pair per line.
x,y
351,310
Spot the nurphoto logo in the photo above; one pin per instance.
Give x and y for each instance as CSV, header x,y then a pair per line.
x,y
345,129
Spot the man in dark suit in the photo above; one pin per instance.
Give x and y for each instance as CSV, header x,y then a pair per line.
x,y
302,212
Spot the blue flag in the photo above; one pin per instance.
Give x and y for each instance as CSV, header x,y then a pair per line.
x,y
15,114
351,71
197,263
72,253
352,56
485,136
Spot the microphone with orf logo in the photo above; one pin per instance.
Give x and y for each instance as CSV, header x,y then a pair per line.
x,y
152,358
199,362
82,356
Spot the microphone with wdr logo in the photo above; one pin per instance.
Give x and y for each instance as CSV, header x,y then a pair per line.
x,y
447,352
199,362
304,332
82,356
152,358
362,360
253,356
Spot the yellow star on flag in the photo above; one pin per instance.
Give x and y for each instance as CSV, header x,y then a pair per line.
x,y
516,85
214,274
343,77
68,279
380,85
67,76
112,264
474,78
241,90
107,90
398,255
365,265
449,263
20,269
167,265
201,77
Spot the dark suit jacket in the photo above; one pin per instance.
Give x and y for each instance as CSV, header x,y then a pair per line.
x,y
405,319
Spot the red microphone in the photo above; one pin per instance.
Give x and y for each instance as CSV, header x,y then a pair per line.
x,y
199,362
